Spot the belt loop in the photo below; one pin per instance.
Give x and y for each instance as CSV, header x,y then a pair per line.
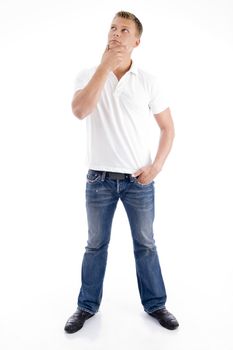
x,y
131,178
103,175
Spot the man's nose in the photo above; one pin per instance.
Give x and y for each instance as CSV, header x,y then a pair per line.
x,y
116,33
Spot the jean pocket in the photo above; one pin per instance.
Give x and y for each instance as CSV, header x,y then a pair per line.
x,y
93,177
142,185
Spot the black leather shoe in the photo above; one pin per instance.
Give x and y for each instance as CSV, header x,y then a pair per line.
x,y
77,320
165,318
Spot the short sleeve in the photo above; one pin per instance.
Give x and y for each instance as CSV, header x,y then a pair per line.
x,y
158,101
82,79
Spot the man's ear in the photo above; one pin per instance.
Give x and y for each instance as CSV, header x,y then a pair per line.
x,y
137,42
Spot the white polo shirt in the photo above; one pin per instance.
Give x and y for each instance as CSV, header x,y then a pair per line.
x,y
117,137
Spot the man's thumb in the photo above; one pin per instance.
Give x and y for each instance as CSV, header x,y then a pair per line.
x,y
138,172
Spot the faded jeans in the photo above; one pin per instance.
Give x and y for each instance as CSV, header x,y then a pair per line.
x,y
102,195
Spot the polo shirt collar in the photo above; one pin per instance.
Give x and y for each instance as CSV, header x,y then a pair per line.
x,y
133,69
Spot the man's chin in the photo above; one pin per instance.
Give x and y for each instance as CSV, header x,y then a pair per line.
x,y
113,43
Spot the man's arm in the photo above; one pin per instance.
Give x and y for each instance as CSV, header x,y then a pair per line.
x,y
167,133
86,99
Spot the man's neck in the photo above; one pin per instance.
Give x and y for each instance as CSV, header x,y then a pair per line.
x,y
122,69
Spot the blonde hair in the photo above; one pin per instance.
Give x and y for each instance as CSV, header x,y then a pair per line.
x,y
132,17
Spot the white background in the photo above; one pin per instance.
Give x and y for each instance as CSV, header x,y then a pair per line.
x,y
44,44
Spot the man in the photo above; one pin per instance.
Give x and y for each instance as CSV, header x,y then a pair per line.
x,y
117,99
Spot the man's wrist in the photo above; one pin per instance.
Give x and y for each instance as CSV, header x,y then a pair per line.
x,y
103,69
157,166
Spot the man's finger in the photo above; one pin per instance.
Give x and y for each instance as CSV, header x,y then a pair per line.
x,y
118,47
138,172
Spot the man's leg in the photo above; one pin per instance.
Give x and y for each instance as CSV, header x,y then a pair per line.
x,y
100,204
139,204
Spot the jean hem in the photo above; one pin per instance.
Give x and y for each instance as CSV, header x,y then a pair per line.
x,y
87,310
155,309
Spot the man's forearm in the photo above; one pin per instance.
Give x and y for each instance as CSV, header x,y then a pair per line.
x,y
85,100
165,145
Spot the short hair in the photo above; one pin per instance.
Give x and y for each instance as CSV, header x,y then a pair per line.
x,y
132,17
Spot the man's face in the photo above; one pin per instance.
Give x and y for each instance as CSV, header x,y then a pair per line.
x,y
123,32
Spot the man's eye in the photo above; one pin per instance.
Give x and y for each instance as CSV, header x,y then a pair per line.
x,y
125,30
113,28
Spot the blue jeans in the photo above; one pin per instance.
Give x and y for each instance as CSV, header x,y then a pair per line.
x,y
102,195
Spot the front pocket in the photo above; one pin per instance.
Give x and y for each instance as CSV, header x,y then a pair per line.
x,y
142,185
93,177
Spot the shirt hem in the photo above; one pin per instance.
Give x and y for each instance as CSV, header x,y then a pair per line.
x,y
112,169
